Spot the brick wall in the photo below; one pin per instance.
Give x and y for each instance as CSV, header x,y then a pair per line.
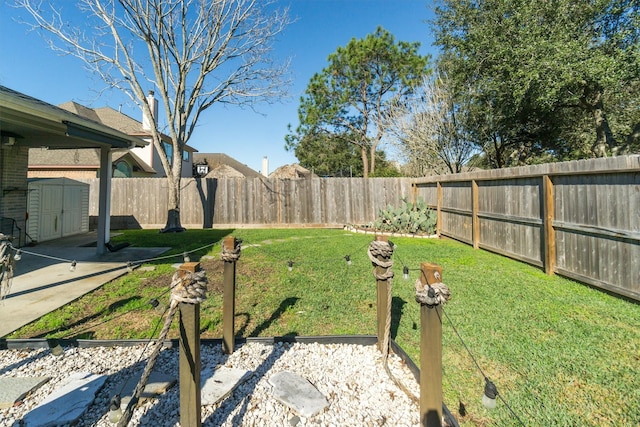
x,y
13,184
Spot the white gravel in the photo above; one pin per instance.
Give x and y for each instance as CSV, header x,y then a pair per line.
x,y
351,377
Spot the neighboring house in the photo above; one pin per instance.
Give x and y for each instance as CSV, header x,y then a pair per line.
x,y
218,165
134,162
84,163
293,171
28,123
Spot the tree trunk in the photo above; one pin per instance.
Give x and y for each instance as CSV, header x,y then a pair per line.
x,y
365,162
604,136
633,137
372,153
173,215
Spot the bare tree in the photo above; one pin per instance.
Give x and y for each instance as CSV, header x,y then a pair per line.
x,y
425,128
193,53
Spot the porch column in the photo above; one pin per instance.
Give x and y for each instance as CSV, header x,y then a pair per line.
x,y
104,200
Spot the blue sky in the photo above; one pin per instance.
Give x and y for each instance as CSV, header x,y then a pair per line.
x,y
29,66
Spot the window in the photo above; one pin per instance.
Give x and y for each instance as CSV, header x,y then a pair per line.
x,y
168,149
122,169
185,156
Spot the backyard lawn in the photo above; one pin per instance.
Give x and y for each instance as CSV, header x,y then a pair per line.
x,y
560,353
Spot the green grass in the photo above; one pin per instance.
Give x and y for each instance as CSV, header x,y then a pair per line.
x,y
560,353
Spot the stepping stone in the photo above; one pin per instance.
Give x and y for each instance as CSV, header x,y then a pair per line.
x,y
13,389
157,384
298,394
67,403
219,384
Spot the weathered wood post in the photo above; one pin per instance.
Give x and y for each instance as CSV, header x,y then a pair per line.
x,y
190,363
431,293
230,254
380,252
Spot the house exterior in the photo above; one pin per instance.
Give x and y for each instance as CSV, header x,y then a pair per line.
x,y
28,123
84,164
136,162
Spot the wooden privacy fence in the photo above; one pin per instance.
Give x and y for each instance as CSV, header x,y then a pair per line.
x,y
234,202
580,219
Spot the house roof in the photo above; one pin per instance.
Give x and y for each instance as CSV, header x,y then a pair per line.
x,y
291,172
115,119
30,122
80,159
224,171
107,116
216,160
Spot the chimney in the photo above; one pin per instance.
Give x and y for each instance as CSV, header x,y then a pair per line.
x,y
150,123
265,166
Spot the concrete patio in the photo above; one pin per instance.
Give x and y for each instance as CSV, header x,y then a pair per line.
x,y
43,281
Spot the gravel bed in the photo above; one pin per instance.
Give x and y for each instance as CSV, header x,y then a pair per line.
x,y
351,377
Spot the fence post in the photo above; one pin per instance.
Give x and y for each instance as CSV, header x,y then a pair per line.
x,y
475,220
430,352
190,363
230,246
549,232
439,208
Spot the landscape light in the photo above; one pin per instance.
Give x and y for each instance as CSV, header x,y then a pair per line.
x,y
348,259
72,267
18,255
290,265
405,272
154,303
490,394
55,347
186,257
115,411
129,266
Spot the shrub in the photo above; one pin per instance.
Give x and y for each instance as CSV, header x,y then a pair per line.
x,y
411,218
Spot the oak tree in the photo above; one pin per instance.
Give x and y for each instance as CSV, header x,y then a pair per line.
x,y
545,78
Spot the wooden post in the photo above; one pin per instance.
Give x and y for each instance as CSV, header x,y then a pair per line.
x,y
439,209
549,232
382,297
430,353
475,221
229,300
190,363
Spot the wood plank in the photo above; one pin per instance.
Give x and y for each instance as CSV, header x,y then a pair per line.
x,y
475,221
549,231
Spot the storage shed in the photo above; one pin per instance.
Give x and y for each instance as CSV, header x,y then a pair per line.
x,y
57,207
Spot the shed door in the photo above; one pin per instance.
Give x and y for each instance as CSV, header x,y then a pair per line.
x,y
51,200
72,218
